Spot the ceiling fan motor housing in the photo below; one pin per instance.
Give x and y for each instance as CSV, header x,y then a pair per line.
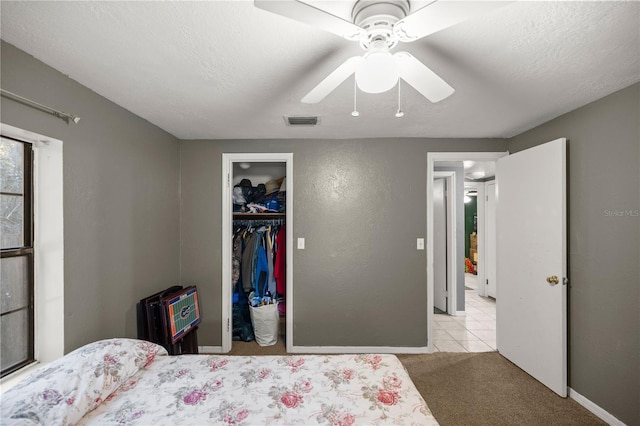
x,y
377,19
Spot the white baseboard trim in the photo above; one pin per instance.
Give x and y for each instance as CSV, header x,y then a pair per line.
x,y
210,349
595,409
461,314
337,350
360,350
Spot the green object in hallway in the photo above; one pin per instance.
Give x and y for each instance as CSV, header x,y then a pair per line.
x,y
470,213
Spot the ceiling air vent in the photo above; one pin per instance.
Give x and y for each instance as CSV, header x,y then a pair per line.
x,y
301,120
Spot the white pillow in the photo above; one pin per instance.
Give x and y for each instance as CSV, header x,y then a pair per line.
x,y
68,388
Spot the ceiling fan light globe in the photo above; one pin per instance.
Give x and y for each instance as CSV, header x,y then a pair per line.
x,y
377,72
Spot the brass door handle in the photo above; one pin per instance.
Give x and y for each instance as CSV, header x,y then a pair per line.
x,y
553,280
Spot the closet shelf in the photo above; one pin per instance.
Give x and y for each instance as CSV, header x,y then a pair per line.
x,y
258,215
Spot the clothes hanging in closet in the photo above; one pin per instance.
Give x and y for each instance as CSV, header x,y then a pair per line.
x,y
259,259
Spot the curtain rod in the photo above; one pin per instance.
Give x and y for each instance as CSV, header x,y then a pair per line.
x,y
60,114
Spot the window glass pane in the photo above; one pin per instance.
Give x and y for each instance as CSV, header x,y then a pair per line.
x,y
11,166
15,338
11,221
14,283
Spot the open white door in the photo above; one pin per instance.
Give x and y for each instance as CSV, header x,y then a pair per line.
x,y
439,245
531,257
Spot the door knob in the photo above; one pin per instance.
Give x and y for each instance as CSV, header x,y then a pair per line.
x,y
553,280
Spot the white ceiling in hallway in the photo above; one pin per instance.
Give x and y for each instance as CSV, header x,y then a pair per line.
x,y
473,170
227,70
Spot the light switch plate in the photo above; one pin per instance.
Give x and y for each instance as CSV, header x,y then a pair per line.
x,y
300,243
420,244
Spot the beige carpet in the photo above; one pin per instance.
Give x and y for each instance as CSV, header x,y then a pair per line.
x,y
474,389
487,389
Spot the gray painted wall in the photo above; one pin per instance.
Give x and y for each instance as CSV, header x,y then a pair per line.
x,y
604,249
360,204
121,199
460,294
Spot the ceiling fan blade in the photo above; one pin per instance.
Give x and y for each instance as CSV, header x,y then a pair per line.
x,y
440,15
421,78
332,81
313,16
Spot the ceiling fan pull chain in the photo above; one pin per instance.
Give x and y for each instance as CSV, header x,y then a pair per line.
x,y
399,112
355,112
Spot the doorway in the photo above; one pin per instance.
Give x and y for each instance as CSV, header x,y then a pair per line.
x,y
532,310
451,329
263,161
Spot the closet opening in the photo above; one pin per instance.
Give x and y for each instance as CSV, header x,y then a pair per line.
x,y
257,212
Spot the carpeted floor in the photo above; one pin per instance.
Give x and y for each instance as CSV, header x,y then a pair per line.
x,y
474,389
487,389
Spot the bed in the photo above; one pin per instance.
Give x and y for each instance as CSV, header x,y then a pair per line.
x,y
128,381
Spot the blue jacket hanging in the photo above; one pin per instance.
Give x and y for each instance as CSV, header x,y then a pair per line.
x,y
261,272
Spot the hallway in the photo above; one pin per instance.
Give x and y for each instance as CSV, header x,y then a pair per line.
x,y
475,332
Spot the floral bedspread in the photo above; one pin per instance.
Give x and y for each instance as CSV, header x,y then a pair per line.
x,y
128,381
294,390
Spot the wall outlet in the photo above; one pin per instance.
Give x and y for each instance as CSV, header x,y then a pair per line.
x,y
420,244
300,243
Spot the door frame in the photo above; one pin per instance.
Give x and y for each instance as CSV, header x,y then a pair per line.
x,y
432,157
450,197
227,219
485,286
481,216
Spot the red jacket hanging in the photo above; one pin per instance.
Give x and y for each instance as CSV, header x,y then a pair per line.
x,y
280,269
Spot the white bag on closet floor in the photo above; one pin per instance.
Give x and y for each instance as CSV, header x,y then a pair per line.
x,y
265,320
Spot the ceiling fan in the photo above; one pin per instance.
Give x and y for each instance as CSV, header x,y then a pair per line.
x,y
379,25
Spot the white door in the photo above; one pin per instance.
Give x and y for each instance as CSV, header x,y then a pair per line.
x,y
439,245
531,312
490,260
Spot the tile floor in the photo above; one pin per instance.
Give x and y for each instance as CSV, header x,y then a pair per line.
x,y
475,332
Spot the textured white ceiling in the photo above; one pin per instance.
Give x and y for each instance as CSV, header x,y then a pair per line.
x,y
227,70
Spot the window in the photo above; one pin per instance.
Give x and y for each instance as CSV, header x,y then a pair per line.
x,y
17,255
